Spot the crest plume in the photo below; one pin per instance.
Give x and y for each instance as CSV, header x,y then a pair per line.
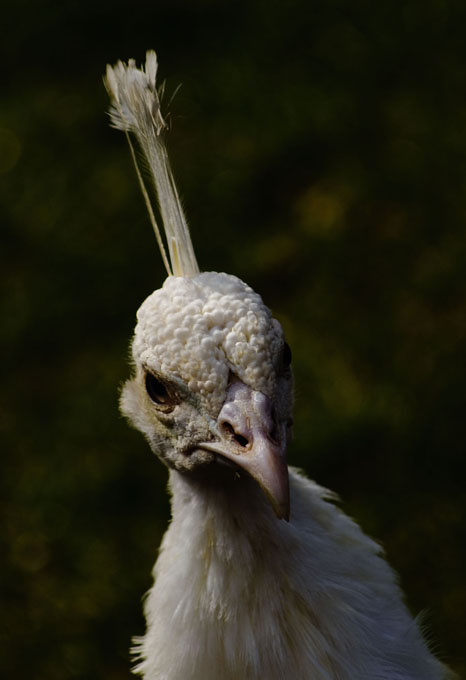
x,y
135,109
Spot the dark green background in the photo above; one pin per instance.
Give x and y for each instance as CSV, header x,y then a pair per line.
x,y
320,148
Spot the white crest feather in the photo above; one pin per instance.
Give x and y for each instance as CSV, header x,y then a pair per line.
x,y
135,108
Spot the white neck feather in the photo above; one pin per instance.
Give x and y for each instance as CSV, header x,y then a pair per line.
x,y
240,595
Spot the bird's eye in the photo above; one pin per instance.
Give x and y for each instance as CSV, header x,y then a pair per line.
x,y
158,392
286,355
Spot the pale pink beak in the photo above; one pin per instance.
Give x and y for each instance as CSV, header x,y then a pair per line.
x,y
247,432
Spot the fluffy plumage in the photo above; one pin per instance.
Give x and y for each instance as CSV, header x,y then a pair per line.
x,y
239,594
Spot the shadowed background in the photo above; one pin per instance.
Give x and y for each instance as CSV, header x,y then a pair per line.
x,y
320,149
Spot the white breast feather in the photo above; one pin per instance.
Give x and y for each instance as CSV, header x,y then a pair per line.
x,y
240,596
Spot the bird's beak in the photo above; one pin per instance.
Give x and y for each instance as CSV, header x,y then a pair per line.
x,y
248,438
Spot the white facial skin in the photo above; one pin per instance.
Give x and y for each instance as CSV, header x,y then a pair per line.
x,y
213,383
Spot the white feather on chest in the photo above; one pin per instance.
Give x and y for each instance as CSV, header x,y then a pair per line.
x,y
239,595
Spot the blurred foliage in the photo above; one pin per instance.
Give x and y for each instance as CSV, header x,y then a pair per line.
x,y
321,151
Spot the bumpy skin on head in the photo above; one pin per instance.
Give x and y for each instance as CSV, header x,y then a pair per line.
x,y
201,328
196,335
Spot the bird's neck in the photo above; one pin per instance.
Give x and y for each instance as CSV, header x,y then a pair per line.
x,y
228,506
229,525
240,594
220,560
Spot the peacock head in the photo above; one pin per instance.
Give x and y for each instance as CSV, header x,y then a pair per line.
x,y
212,390
212,384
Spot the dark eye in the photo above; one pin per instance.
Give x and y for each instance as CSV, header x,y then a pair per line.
x,y
286,355
157,391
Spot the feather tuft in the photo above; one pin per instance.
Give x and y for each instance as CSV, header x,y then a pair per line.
x,y
135,109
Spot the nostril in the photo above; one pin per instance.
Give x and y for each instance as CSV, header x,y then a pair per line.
x,y
229,430
242,441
